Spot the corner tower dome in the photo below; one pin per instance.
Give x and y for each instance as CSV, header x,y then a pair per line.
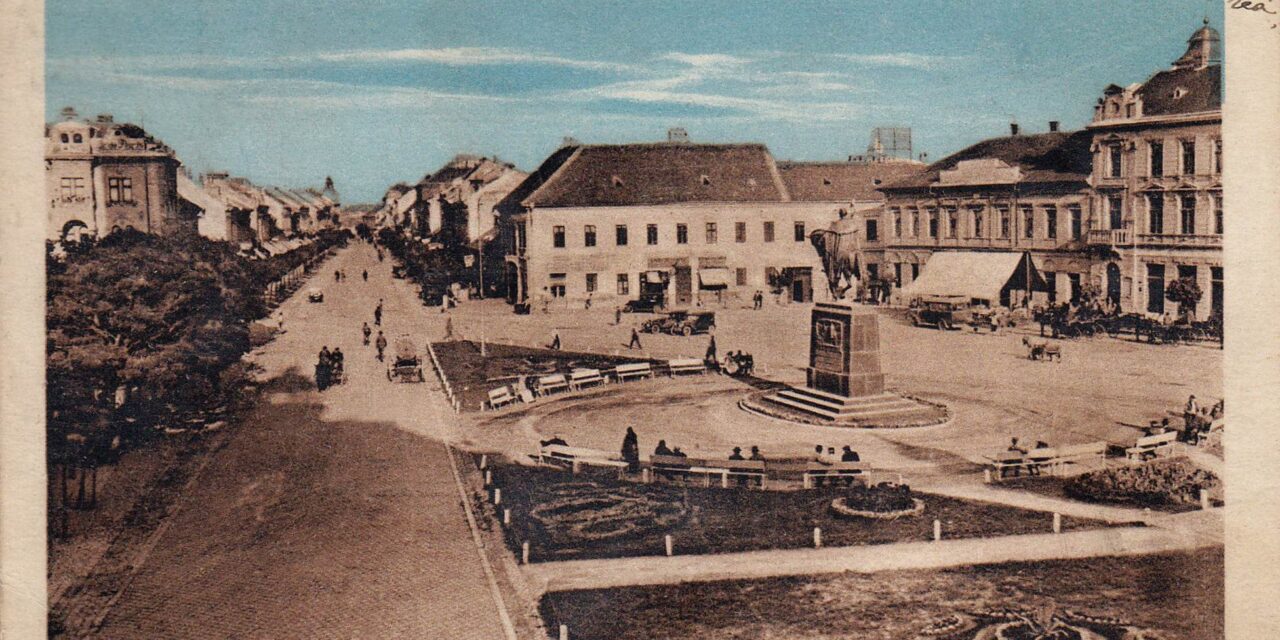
x,y
1203,49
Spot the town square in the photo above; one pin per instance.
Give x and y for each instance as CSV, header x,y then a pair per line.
x,y
694,337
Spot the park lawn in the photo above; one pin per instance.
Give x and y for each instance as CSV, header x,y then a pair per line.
x,y
1179,595
472,376
715,520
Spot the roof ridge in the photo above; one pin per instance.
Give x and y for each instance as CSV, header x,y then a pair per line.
x,y
554,174
772,165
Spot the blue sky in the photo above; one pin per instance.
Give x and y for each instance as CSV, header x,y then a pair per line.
x,y
385,90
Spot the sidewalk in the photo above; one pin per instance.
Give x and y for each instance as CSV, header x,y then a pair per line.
x,y
613,573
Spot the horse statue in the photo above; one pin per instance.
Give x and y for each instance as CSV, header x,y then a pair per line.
x,y
840,248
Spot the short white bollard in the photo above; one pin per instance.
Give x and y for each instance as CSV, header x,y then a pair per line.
x,y
1057,523
524,553
577,467
1204,499
937,530
488,478
484,461
646,475
899,479
497,496
506,516
564,632
986,476
817,537
670,545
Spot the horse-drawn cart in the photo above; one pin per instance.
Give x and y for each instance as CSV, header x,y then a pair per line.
x,y
406,365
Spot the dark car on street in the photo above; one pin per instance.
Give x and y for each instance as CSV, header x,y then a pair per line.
x,y
685,323
644,304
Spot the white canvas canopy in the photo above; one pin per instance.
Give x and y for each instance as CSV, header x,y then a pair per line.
x,y
980,275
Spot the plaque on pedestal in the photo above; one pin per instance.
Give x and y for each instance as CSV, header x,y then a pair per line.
x,y
844,351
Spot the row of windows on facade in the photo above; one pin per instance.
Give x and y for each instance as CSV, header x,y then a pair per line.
x,y
1187,204
623,280
1156,158
119,190
1156,278
711,234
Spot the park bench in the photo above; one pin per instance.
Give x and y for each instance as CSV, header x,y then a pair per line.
x,y
671,467
1073,454
743,469
686,365
575,457
633,370
548,384
1149,447
580,378
501,397
835,471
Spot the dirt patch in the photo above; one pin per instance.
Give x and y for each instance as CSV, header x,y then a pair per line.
x,y
1106,595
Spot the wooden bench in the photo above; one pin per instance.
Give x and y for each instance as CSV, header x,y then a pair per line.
x,y
1006,461
548,384
580,378
743,469
576,457
673,466
834,471
686,365
633,370
1149,447
1074,454
500,397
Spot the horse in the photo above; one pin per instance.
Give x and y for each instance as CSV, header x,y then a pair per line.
x,y
1037,349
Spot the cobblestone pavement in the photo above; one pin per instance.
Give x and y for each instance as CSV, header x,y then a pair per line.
x,y
326,515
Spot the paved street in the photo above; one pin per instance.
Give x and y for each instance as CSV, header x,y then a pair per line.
x,y
330,515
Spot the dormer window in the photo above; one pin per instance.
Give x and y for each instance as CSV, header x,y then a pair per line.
x,y
65,138
877,181
617,181
826,182
1179,92
706,180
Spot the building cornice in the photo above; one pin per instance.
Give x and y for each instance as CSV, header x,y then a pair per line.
x,y
1148,121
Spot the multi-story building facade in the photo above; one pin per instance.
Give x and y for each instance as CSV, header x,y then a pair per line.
x,y
103,176
1157,174
461,197
1017,193
696,223
1126,205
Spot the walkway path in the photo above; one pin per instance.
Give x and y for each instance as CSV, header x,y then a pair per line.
x,y
327,515
1189,531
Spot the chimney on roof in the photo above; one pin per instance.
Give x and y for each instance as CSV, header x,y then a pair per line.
x,y
1053,125
68,113
924,156
569,141
1013,128
105,118
677,134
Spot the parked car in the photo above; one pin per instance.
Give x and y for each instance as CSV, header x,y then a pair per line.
x,y
943,312
644,304
686,324
315,295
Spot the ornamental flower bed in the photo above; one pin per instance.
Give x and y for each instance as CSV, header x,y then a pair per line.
x,y
883,501
595,514
1163,483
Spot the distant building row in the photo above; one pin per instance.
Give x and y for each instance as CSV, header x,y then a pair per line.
x,y
103,176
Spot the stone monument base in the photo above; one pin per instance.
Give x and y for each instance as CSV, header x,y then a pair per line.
x,y
813,406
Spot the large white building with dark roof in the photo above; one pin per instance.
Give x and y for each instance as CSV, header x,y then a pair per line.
x,y
699,224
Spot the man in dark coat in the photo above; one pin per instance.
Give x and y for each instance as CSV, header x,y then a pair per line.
x,y
631,449
635,340
324,364
381,344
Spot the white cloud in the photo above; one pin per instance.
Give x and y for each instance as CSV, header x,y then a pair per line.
x,y
463,56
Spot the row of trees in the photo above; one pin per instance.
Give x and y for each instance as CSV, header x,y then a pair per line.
x,y
434,265
145,331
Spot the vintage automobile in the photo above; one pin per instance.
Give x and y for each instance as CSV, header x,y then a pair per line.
x,y
644,304
315,295
684,323
406,366
943,312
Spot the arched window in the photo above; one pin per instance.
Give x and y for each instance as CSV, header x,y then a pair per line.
x,y
79,138
65,138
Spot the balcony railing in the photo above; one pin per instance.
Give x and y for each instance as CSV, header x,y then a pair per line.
x,y
1112,237
1180,239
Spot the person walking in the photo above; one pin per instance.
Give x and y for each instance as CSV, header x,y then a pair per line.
x,y
324,362
448,328
365,274
337,276
631,450
377,313
336,361
555,340
710,357
587,305
635,339
367,332
617,316
381,344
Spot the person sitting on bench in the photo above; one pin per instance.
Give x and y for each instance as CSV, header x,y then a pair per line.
x,y
849,455
737,454
661,449
678,453
1034,469
755,454
1015,468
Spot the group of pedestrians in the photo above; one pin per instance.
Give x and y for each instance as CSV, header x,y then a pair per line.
x,y
329,367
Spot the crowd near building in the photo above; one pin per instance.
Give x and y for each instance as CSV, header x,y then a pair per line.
x,y
104,176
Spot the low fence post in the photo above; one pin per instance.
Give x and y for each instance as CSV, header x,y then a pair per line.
x,y
577,467
646,475
506,516
670,545
817,537
986,476
488,477
564,632
937,530
497,496
484,461
524,552
1204,499
1057,522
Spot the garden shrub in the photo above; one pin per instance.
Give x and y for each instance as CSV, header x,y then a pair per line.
x,y
1158,483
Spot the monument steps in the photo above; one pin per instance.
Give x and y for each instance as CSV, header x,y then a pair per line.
x,y
838,403
899,408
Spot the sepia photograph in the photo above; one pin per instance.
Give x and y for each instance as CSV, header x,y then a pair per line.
x,y
639,320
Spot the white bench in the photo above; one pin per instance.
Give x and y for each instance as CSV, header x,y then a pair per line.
x,y
1074,454
1149,447
580,378
633,370
834,471
575,457
548,384
500,397
686,365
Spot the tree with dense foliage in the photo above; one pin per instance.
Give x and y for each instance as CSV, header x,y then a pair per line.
x,y
1186,293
